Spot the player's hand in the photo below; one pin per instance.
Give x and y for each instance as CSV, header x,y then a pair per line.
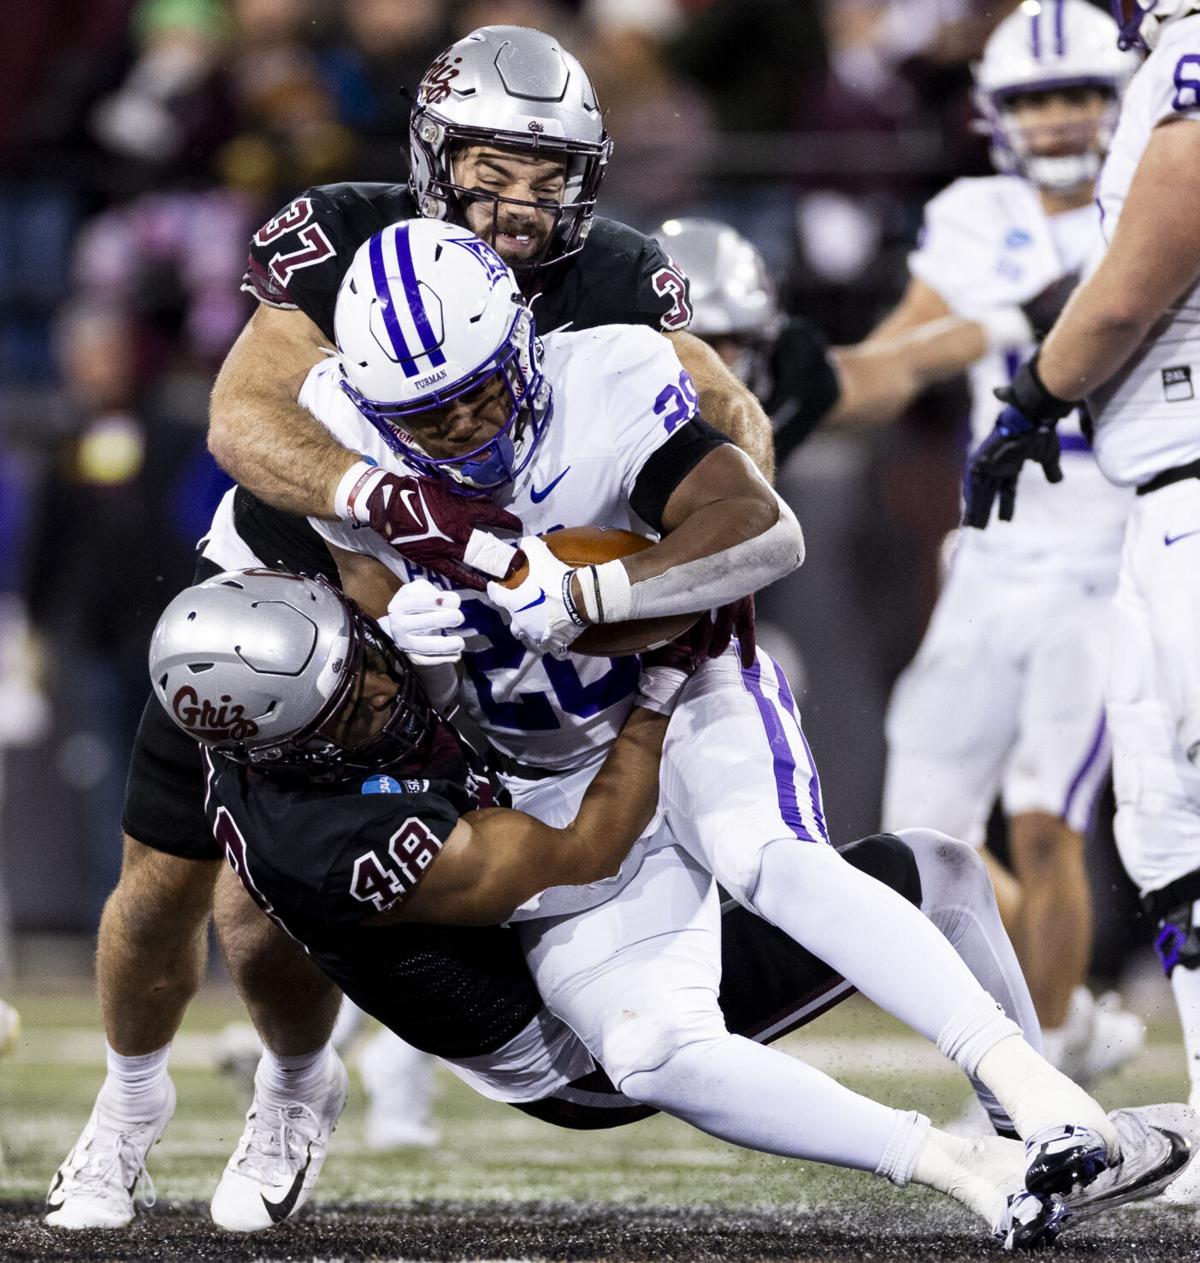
x,y
421,619
668,668
995,465
541,611
736,618
428,523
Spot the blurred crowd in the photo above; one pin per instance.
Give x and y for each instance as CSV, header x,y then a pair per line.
x,y
143,141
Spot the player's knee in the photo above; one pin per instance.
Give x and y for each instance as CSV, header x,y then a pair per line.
x,y
1176,924
944,863
650,1030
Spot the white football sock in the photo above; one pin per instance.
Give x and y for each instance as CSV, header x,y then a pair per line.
x,y
297,1078
870,934
1185,983
134,1087
763,1099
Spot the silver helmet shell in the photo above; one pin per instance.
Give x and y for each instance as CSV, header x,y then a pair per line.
x,y
1043,46
730,289
514,88
253,663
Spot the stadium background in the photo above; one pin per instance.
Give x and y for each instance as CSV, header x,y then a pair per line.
x,y
142,141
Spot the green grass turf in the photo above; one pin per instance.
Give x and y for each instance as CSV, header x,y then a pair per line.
x,y
489,1151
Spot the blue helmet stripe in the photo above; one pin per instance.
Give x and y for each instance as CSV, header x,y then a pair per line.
x,y
416,304
1059,42
390,323
1035,33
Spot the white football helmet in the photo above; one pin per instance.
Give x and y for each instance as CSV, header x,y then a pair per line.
x,y
1044,45
515,88
254,663
730,290
426,313
1141,24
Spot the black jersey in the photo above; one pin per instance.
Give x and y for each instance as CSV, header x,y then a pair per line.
x,y
804,385
319,859
297,261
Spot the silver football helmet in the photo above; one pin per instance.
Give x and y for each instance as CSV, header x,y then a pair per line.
x,y
254,663
515,88
730,290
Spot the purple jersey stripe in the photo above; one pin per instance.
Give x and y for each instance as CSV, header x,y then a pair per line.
x,y
1088,763
782,760
416,304
1035,34
390,323
814,783
1059,44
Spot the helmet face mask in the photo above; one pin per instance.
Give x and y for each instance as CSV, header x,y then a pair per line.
x,y
1064,48
260,666
511,89
407,355
1141,24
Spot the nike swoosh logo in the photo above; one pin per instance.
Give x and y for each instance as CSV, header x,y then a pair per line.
x,y
538,496
58,1183
279,1211
408,495
1174,539
541,597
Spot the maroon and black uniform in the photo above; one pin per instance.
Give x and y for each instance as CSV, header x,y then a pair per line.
x,y
297,261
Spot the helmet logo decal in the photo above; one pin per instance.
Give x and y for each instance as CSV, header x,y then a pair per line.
x,y
493,264
210,721
535,126
435,87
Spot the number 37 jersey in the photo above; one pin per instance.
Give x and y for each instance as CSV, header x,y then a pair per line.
x,y
620,396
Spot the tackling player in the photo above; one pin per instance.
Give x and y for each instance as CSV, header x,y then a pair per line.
x,y
352,817
506,134
1127,343
1004,696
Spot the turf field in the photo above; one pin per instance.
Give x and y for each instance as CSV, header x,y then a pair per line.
x,y
504,1186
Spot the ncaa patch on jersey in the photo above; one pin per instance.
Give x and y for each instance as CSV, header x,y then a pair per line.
x,y
382,785
1177,384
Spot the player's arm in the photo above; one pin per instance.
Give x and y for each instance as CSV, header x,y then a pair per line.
x,y
365,580
920,305
494,860
726,403
1152,259
257,430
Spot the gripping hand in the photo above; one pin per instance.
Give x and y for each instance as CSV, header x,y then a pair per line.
x,y
427,523
542,615
421,619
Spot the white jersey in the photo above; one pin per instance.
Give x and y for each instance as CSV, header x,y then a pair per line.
x,y
618,396
987,243
1147,414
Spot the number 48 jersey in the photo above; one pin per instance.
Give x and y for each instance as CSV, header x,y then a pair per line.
x,y
622,435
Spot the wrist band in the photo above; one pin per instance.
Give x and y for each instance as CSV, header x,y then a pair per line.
x,y
1031,397
606,592
569,600
659,688
350,488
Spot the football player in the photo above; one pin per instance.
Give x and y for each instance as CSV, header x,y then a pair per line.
x,y
631,964
1004,696
799,379
358,821
1128,344
507,135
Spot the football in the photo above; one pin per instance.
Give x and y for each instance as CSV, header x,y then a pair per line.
x,y
591,546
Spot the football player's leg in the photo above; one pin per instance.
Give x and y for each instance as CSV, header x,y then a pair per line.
x,y
300,1085
1154,717
740,787
951,719
637,979
150,960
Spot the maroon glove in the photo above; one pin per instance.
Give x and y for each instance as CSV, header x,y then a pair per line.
x,y
425,521
737,616
686,652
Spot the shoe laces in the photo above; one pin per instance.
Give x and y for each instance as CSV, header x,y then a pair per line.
x,y
114,1151
280,1141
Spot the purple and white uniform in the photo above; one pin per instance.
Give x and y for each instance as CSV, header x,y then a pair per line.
x,y
1005,694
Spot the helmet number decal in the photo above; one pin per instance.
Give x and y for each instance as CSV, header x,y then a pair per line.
x,y
670,283
383,880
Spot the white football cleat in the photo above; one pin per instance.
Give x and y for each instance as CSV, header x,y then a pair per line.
x,y
1160,1162
10,1028
96,1186
400,1090
1066,1159
277,1161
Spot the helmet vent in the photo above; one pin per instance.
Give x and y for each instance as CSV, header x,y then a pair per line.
x,y
199,668
437,254
353,286
232,583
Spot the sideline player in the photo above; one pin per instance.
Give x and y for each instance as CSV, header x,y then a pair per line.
x,y
368,880
630,964
1004,696
474,157
1128,343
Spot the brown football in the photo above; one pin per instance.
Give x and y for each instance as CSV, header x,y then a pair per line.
x,y
591,546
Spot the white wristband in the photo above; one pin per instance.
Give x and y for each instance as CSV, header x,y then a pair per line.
x,y
1006,328
350,498
659,688
606,592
